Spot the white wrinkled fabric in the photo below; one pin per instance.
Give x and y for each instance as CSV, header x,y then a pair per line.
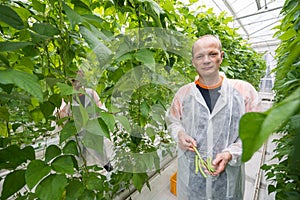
x,y
214,133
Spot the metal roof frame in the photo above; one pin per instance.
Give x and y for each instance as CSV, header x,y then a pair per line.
x,y
255,19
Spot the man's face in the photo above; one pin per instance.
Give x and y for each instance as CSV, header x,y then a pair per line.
x,y
207,57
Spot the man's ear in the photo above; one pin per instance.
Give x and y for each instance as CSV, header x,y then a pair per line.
x,y
192,61
222,54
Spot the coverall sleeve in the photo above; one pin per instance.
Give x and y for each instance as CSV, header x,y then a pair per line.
x,y
173,117
64,109
252,104
235,149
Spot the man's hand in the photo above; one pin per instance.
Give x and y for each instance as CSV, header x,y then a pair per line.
x,y
186,142
220,162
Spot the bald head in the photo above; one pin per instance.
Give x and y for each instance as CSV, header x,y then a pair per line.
x,y
210,38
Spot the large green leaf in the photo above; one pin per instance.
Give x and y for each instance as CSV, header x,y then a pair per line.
x,y
12,46
94,182
138,180
25,81
52,187
47,109
68,131
101,51
65,89
255,128
16,156
73,16
93,141
4,114
124,121
35,172
109,120
52,151
279,115
38,6
147,58
250,126
74,189
63,164
45,29
10,17
97,127
13,182
71,148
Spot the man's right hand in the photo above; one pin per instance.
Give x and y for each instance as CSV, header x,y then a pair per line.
x,y
186,142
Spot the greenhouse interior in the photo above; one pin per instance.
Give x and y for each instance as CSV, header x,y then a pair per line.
x,y
97,99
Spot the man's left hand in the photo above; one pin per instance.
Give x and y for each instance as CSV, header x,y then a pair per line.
x,y
220,162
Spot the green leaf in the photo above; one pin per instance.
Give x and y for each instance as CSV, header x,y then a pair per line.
x,y
93,141
87,194
84,118
28,153
45,29
80,7
63,164
93,182
96,21
102,52
93,127
74,189
103,128
73,16
65,89
138,180
109,120
4,60
255,128
47,108
271,188
52,151
13,182
38,6
278,116
124,121
25,81
290,33
145,109
68,131
55,99
158,10
52,187
16,156
35,172
71,148
4,114
10,17
250,126
12,46
146,57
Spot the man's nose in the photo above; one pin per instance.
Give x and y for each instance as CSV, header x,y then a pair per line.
x,y
206,58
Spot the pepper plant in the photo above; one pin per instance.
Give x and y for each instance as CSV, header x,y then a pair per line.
x,y
284,117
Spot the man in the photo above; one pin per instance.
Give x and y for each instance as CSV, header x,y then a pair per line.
x,y
94,148
205,114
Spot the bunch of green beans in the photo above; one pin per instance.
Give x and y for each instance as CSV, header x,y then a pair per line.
x,y
200,164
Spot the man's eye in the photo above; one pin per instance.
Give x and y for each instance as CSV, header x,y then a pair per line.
x,y
200,56
213,54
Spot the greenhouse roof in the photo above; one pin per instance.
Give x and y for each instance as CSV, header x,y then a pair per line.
x,y
255,19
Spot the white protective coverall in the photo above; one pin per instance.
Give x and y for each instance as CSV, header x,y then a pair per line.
x,y
214,133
